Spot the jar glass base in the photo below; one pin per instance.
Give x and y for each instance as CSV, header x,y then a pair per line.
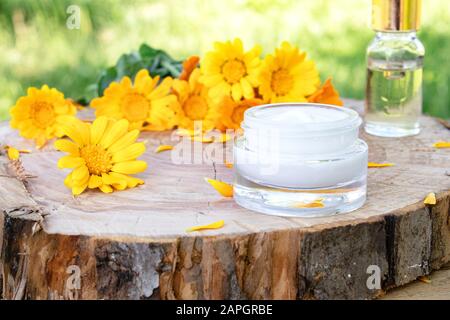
x,y
390,131
339,199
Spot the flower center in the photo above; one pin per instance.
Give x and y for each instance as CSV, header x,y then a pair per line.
x,y
43,114
282,82
233,70
97,159
135,107
195,108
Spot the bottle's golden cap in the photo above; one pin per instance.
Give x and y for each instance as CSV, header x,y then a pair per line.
x,y
396,15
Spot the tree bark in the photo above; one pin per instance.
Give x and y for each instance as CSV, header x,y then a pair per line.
x,y
133,245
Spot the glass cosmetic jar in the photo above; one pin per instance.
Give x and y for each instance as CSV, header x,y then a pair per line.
x,y
300,159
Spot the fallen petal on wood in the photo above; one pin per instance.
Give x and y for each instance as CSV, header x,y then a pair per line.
x,y
13,153
229,165
442,144
223,188
163,147
379,165
430,199
215,225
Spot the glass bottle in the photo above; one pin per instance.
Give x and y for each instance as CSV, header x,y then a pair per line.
x,y
394,70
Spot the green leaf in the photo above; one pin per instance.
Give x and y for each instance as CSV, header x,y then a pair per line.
x,y
156,61
107,76
148,52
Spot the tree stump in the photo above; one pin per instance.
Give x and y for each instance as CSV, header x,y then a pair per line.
x,y
133,244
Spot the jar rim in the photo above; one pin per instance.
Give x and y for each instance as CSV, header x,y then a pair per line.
x,y
350,122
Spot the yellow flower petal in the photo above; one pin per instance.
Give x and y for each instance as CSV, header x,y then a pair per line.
x,y
430,199
247,89
215,225
116,132
130,167
442,144
115,181
80,173
223,188
85,132
67,146
236,91
163,147
13,153
71,128
76,190
24,150
131,181
107,179
129,153
94,182
98,129
68,181
120,186
105,188
70,162
379,165
40,141
125,141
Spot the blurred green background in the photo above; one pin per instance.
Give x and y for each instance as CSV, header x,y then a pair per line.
x,y
36,47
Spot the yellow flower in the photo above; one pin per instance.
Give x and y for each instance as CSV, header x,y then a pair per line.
x,y
194,102
232,113
145,104
287,76
39,114
102,155
228,70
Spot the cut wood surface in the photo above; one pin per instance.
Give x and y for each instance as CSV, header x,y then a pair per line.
x,y
133,244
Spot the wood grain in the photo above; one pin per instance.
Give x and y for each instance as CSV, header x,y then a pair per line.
x,y
133,245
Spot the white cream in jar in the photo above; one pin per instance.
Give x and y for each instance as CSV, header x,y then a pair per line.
x,y
291,154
